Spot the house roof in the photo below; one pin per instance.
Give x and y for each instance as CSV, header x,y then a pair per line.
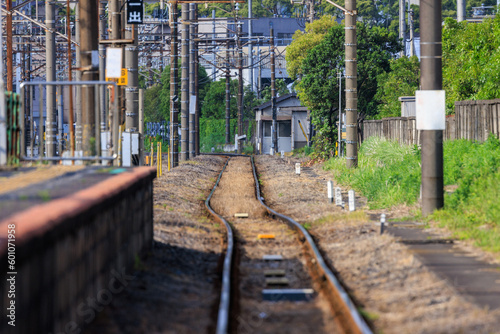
x,y
278,100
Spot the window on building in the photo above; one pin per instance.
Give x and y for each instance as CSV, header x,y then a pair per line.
x,y
267,129
285,128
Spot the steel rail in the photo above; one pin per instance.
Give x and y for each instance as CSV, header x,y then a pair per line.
x,y
225,296
348,312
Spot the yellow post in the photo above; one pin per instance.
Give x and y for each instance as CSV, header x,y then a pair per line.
x,y
157,159
152,154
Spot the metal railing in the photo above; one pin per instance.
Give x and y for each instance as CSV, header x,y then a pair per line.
x,y
112,142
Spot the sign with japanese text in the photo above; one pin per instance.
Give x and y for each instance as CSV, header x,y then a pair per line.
x,y
135,11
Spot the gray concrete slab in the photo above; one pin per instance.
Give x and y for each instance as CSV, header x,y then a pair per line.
x,y
475,279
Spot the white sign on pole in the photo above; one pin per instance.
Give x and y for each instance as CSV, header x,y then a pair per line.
x,y
297,168
430,109
192,104
113,63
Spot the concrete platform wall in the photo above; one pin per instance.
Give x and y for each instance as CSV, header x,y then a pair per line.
x,y
73,255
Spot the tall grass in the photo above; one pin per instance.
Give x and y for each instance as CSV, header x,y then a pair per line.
x,y
473,209
388,173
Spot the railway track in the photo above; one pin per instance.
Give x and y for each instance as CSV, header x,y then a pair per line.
x,y
274,277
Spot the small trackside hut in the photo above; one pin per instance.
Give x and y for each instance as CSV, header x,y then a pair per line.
x,y
292,123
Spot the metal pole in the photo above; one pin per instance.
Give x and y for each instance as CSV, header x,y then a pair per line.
x,y
250,46
228,97
141,127
132,90
89,37
60,118
412,42
340,115
461,10
174,98
351,84
184,83
311,11
240,86
273,92
8,41
50,56
196,88
70,78
78,89
402,25
102,61
259,77
431,79
192,93
213,45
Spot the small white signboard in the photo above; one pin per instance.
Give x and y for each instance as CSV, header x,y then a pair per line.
x,y
192,104
113,63
297,168
430,109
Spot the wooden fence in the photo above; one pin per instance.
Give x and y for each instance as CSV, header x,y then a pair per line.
x,y
473,120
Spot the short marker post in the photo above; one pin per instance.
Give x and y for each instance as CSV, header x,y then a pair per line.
x,y
297,168
352,203
382,223
338,196
329,187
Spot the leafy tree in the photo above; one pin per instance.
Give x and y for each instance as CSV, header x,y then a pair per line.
x,y
305,41
402,80
318,88
157,97
471,61
281,89
214,103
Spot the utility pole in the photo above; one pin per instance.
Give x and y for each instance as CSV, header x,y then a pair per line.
x,y
192,96
132,88
351,85
50,66
240,85
174,98
273,92
70,78
431,78
184,83
8,41
402,25
88,42
228,97
78,75
102,60
412,42
311,11
250,46
196,87
461,10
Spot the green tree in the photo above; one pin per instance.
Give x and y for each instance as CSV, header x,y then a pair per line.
x,y
471,61
402,80
281,90
318,88
214,102
305,41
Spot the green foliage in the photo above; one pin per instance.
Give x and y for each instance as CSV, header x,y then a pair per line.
x,y
214,103
157,97
471,61
388,173
305,41
281,89
402,80
318,88
213,133
473,209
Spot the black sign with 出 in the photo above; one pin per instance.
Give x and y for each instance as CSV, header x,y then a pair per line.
x,y
135,11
